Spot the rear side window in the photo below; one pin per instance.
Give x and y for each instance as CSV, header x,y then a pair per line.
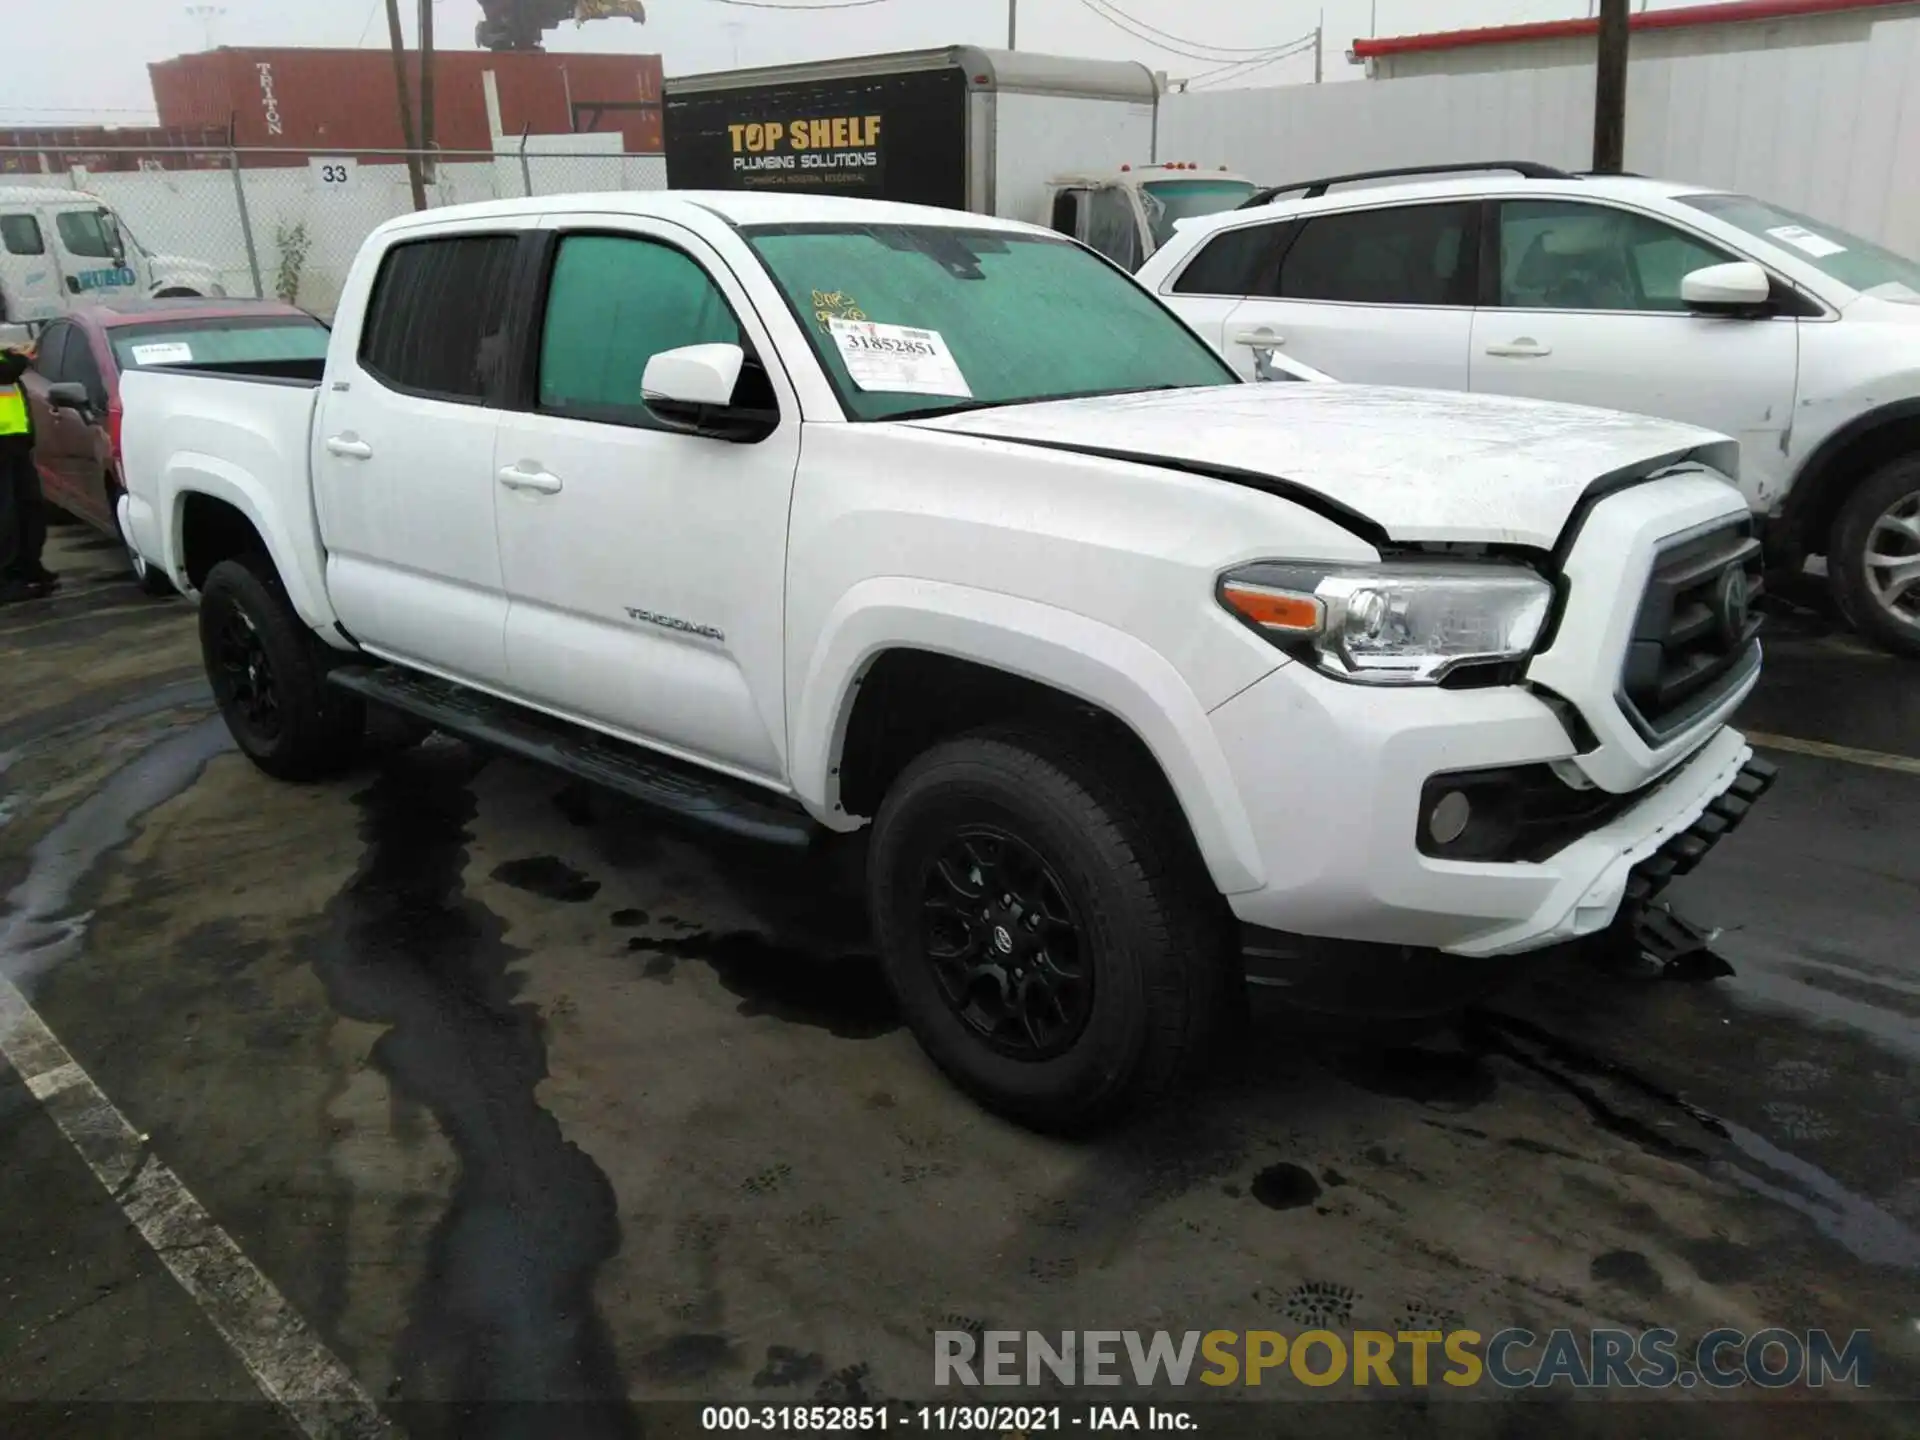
x,y
1234,262
435,322
1400,255
21,235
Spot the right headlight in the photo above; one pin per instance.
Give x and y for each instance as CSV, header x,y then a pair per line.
x,y
1395,623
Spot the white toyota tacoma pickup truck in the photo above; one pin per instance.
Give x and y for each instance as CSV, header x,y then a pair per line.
x,y
807,516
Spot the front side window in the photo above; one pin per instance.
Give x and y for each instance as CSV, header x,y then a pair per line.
x,y
435,319
84,233
1561,255
21,235
613,304
1847,258
1022,317
1401,255
1112,228
1234,262
50,355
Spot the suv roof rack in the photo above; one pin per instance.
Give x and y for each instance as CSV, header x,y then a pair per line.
x,y
1525,169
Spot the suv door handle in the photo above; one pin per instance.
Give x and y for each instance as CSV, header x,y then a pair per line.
x,y
1525,348
514,478
349,449
1260,338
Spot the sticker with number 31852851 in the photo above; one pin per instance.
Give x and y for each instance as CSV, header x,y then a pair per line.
x,y
898,358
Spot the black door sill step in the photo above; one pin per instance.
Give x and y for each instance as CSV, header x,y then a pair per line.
x,y
658,780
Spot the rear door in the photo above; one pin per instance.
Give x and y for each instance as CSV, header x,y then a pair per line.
x,y
403,472
1216,282
32,282
1588,310
1381,296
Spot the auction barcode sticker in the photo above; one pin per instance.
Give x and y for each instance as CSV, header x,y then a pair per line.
x,y
170,354
898,358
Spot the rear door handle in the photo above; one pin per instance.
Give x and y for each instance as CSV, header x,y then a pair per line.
x,y
1261,338
515,478
349,449
1525,348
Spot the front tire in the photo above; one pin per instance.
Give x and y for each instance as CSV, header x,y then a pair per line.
x,y
1874,557
1048,928
269,677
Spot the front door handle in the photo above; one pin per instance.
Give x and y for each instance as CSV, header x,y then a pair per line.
x,y
348,449
1525,348
1261,338
514,478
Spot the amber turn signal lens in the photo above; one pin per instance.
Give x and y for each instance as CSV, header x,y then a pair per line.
x,y
1285,611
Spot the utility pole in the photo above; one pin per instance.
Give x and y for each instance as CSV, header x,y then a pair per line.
x,y
399,41
1319,47
1610,89
1013,18
428,128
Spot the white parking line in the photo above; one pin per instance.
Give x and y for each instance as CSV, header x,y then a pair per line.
x,y
1878,759
291,1363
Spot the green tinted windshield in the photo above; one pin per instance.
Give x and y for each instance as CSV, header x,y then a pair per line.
x,y
993,318
1170,201
220,342
1847,258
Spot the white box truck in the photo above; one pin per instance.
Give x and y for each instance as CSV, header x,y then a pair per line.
x,y
1049,139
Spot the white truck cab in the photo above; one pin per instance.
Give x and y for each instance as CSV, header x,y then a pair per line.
x,y
1129,213
62,250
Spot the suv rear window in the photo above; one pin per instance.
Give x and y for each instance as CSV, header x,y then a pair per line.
x,y
435,320
1234,262
1396,255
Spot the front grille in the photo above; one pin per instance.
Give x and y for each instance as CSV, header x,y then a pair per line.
x,y
1696,637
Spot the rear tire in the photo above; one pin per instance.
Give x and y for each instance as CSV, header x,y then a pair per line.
x,y
269,676
1117,995
1878,529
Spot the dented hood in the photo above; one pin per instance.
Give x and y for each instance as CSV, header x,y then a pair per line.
x,y
1420,465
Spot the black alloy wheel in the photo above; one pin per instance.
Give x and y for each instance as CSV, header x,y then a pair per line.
x,y
243,680
1005,945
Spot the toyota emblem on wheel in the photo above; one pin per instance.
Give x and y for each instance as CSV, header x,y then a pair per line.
x,y
1002,940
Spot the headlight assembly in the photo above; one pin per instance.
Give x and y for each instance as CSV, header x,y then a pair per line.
x,y
1396,623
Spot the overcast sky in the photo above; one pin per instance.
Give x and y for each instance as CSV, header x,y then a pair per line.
x,y
82,61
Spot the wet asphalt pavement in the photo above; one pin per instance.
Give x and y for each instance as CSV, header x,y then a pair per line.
x,y
518,1095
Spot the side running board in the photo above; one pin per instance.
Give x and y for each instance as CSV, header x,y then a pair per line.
x,y
684,790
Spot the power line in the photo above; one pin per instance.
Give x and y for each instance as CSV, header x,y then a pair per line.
x,y
1246,68
1103,7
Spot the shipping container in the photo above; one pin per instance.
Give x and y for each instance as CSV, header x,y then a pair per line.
x,y
53,149
343,101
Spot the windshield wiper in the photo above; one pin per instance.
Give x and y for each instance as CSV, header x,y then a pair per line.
x,y
932,412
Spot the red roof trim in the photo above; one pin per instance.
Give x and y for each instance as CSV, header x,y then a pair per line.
x,y
1688,15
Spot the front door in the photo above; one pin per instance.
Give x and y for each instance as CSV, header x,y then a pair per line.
x,y
645,569
1381,296
94,265
70,449
403,456
1590,312
31,282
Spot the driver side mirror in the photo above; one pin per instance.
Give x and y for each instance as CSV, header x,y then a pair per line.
x,y
1738,288
71,395
110,224
693,390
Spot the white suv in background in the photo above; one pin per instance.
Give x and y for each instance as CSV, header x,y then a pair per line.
x,y
1796,338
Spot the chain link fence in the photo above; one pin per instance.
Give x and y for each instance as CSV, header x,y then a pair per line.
x,y
284,224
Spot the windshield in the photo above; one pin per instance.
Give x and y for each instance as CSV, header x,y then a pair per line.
x,y
1847,258
933,319
220,342
1171,201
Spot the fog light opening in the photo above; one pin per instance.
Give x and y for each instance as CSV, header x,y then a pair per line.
x,y
1450,817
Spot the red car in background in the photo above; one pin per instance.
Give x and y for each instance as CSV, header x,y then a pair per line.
x,y
74,388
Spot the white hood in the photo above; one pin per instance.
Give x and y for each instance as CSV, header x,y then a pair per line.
x,y
1423,465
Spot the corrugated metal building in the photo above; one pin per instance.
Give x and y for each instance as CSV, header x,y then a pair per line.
x,y
1736,27
343,101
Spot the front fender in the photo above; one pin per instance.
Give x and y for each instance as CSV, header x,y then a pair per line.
x,y
1072,653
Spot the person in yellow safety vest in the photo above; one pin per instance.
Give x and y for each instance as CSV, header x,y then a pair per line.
x,y
23,523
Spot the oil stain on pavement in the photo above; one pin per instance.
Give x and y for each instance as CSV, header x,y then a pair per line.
x,y
502,1317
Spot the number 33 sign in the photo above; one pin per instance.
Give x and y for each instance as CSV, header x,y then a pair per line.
x,y
331,173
